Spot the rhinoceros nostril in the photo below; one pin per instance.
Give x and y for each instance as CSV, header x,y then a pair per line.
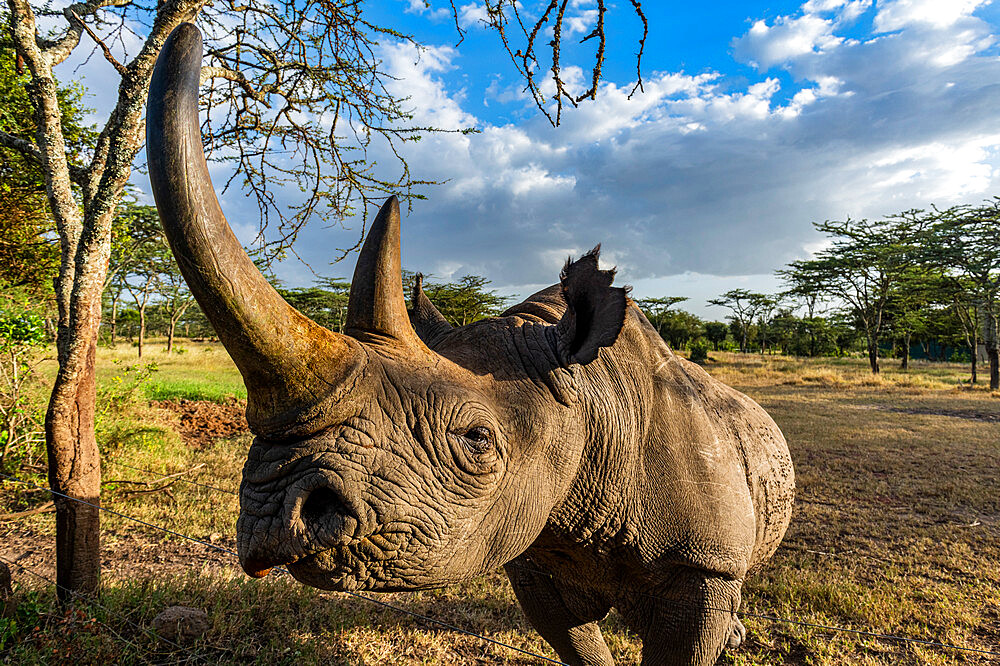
x,y
325,511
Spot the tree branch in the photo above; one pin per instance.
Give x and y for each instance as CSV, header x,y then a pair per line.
x,y
31,152
208,73
120,68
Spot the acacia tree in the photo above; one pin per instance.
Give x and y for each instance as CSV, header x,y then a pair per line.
x,y
175,297
270,66
803,288
910,306
765,305
966,241
863,266
716,332
143,281
681,327
656,309
139,255
967,313
325,303
465,301
746,306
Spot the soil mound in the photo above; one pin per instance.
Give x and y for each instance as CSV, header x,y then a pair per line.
x,y
200,422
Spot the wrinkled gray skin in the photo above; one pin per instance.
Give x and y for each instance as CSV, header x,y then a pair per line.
x,y
562,440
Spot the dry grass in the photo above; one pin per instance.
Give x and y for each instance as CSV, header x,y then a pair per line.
x,y
897,530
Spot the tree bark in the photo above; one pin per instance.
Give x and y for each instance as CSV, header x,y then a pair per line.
x,y
873,355
75,471
975,354
905,363
74,461
85,239
114,319
993,354
142,328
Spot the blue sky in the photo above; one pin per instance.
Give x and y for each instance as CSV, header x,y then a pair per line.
x,y
758,119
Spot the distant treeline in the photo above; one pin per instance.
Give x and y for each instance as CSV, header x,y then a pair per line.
x,y
924,282
925,279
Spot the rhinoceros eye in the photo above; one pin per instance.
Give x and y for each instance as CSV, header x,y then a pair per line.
x,y
480,438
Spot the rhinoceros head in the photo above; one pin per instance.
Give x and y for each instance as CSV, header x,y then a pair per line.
x,y
377,462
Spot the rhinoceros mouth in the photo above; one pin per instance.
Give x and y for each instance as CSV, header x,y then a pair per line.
x,y
365,563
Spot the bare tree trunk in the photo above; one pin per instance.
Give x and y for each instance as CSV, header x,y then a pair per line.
x,y
74,461
114,319
974,344
905,363
993,354
170,335
85,240
873,355
75,471
142,328
975,354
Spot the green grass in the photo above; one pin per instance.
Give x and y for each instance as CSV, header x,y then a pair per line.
x,y
896,530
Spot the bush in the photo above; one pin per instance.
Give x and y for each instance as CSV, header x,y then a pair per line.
x,y
960,355
699,350
22,336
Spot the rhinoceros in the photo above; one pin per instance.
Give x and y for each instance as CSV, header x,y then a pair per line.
x,y
562,440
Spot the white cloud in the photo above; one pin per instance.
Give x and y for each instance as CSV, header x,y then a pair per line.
x,y
471,15
700,176
787,38
695,175
845,10
938,14
426,8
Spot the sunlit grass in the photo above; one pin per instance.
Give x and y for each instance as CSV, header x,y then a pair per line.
x,y
896,530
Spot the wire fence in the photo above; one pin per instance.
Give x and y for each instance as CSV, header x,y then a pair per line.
x,y
700,607
785,544
92,601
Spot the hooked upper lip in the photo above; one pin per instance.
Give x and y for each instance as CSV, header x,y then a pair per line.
x,y
375,547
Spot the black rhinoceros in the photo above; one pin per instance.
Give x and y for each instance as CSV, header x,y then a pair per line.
x,y
562,440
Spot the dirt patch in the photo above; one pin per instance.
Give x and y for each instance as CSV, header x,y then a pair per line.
x,y
200,422
958,414
124,556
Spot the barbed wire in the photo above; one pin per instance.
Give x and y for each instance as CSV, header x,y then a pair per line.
x,y
784,545
833,628
180,480
92,601
285,571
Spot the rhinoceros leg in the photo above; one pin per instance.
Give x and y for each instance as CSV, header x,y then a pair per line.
x,y
687,622
565,617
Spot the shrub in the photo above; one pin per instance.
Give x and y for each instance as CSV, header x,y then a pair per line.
x,y
22,335
699,350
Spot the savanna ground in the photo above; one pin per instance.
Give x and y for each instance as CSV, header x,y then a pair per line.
x,y
896,530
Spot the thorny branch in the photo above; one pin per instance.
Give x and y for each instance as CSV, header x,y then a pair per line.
x,y
297,97
120,68
499,17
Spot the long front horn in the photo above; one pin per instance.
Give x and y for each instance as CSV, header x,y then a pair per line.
x,y
376,310
295,370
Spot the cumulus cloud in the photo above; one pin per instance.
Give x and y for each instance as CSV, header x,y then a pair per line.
x,y
701,175
899,14
697,177
424,7
787,38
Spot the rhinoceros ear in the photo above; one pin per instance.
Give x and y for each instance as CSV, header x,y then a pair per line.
x,y
595,310
426,319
